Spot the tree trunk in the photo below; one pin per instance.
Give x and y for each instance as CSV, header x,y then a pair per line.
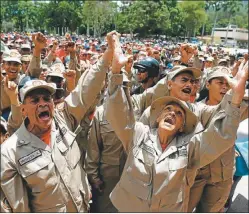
x,y
215,21
202,32
88,29
227,28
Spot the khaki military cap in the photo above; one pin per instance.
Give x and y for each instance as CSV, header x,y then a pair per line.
x,y
210,59
219,71
57,70
26,58
36,84
25,46
180,68
14,56
158,105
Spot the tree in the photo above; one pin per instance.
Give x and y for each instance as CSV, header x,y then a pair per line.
x,y
232,7
193,16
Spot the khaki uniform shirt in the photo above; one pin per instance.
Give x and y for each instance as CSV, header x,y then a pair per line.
x,y
44,180
156,181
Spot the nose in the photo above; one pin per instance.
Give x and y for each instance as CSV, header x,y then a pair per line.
x,y
42,103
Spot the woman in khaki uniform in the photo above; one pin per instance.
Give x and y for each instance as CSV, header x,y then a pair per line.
x,y
159,158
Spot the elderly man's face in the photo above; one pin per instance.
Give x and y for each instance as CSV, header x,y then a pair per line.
x,y
181,86
38,106
12,69
171,119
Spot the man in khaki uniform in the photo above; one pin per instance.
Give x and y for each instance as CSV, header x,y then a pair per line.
x,y
159,159
213,182
40,163
12,68
105,161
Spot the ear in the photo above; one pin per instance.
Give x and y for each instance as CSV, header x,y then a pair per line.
x,y
207,85
169,84
24,113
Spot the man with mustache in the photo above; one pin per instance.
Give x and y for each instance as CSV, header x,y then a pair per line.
x,y
41,169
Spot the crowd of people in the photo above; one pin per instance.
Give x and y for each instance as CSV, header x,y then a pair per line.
x,y
91,125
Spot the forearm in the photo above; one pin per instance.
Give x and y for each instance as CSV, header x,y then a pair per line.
x,y
87,89
35,64
119,112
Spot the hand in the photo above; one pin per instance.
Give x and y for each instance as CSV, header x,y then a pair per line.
x,y
69,75
10,88
129,64
98,185
238,84
186,53
119,60
55,45
39,40
71,47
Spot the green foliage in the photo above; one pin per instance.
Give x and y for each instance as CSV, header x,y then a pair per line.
x,y
168,17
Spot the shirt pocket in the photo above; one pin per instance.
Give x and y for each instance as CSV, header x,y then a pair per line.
x,y
39,173
228,164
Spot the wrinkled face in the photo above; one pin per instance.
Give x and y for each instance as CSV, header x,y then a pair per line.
x,y
172,119
25,66
181,86
12,69
38,106
217,87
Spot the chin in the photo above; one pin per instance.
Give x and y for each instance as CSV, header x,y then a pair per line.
x,y
185,97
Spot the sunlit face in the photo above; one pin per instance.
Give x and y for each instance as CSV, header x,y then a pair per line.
x,y
181,86
25,51
38,106
12,69
217,88
25,65
208,64
171,119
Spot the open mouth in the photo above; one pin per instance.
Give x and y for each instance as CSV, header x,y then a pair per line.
x,y
45,115
169,120
186,90
13,72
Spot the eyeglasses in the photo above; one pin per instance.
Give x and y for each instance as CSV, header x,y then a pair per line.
x,y
15,64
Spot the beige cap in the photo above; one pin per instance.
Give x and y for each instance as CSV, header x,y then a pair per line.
x,y
158,105
219,71
57,70
210,59
180,68
14,56
35,84
25,46
26,58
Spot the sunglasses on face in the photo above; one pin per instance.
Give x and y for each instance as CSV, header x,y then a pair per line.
x,y
15,64
141,70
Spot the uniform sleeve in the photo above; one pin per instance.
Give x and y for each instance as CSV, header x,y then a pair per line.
x,y
119,112
15,119
219,136
93,151
13,187
34,68
86,91
145,118
206,113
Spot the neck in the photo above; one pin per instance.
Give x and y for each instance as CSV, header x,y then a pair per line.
x,y
38,132
164,137
148,84
212,102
